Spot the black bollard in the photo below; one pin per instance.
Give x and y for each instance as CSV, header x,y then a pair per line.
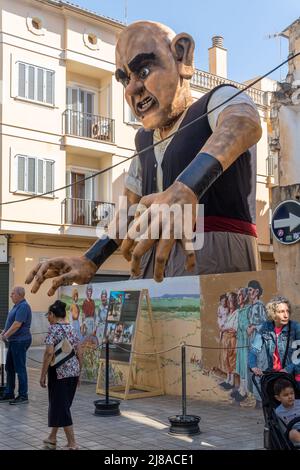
x,y
184,424
107,407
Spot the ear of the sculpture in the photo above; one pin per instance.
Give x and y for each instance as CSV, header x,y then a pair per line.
x,y
182,48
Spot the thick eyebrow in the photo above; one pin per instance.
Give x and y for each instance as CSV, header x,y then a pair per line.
x,y
136,63
120,75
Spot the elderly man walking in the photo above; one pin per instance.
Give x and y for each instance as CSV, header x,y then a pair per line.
x,y
17,333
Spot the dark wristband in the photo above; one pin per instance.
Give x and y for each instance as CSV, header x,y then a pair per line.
x,y
101,250
201,173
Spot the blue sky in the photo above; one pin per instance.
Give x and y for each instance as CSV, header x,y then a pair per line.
x,y
245,26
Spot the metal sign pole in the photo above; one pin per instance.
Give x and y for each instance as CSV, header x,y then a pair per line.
x,y
107,407
184,424
107,371
183,381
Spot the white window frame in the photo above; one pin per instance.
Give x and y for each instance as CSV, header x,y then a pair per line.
x,y
86,172
37,159
35,98
86,91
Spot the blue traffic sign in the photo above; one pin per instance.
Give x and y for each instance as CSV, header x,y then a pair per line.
x,y
286,222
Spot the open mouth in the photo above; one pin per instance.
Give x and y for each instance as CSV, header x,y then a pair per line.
x,y
143,106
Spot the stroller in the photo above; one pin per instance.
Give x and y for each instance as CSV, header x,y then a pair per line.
x,y
276,432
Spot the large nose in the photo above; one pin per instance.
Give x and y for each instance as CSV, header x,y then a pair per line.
x,y
134,87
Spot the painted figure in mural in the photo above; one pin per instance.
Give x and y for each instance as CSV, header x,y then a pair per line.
x,y
222,312
110,311
127,335
257,315
111,332
118,338
117,307
228,343
257,312
102,313
75,313
221,324
198,164
88,310
242,344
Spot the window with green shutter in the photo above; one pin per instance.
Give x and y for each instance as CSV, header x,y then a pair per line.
x,y
35,83
34,175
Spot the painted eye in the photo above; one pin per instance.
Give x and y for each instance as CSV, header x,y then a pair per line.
x,y
144,73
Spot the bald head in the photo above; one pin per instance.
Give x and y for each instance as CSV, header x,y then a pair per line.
x,y
143,33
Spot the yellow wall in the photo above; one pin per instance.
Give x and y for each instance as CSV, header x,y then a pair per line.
x,y
26,252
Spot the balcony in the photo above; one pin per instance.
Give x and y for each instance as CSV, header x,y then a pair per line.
x,y
85,212
209,81
89,126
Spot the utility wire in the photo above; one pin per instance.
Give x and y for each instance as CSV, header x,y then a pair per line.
x,y
155,353
146,149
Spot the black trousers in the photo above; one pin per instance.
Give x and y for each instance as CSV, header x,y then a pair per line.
x,y
61,393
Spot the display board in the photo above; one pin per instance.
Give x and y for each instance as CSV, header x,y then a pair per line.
x,y
120,323
123,327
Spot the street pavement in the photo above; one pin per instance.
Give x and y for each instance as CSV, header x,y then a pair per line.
x,y
143,423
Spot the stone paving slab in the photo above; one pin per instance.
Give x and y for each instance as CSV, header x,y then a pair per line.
x,y
143,423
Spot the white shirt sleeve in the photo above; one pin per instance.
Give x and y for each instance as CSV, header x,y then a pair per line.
x,y
221,95
133,181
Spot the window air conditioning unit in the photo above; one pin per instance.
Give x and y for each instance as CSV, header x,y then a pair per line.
x,y
102,215
100,130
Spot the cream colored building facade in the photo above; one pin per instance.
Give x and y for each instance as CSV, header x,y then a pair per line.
x,y
63,118
285,151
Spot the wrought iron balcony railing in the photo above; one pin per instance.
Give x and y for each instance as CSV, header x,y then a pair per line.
x,y
84,212
209,81
89,125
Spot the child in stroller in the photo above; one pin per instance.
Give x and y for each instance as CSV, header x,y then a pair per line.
x,y
280,424
290,407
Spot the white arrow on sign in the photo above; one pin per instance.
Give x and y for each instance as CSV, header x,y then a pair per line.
x,y
292,222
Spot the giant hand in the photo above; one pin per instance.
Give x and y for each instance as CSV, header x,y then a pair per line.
x,y
157,223
65,270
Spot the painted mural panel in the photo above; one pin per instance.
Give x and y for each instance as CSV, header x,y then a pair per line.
x,y
233,312
176,313
216,316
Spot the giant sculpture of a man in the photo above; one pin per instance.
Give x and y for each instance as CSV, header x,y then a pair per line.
x,y
208,162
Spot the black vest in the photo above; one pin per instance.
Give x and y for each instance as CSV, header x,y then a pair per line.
x,y
233,195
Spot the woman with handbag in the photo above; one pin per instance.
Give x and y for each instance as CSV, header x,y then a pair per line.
x,y
62,362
